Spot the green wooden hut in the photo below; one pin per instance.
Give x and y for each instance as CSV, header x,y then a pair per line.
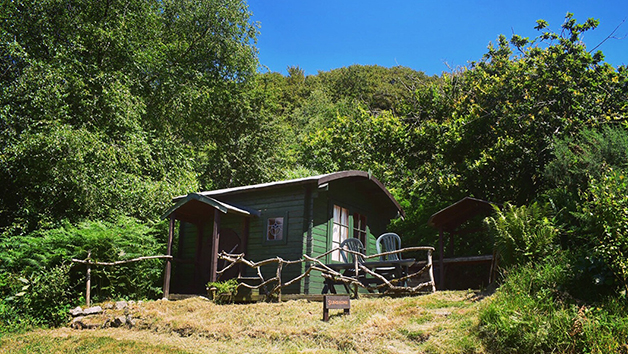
x,y
287,218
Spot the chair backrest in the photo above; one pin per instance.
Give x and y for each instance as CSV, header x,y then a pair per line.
x,y
351,244
389,242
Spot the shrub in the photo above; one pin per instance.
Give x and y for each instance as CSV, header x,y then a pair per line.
x,y
534,313
43,298
38,282
125,239
525,316
522,234
606,215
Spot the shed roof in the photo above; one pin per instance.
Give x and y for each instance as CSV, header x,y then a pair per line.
x,y
456,214
191,206
374,185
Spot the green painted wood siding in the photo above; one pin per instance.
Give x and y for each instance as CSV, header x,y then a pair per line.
x,y
347,195
289,203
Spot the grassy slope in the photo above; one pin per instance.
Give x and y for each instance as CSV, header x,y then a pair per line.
x,y
444,322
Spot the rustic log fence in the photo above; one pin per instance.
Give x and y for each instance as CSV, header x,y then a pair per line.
x,y
389,286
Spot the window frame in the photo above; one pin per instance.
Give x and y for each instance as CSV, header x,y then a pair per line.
x,y
341,226
351,212
284,232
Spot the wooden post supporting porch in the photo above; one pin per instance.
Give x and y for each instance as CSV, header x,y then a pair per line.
x,y
215,241
441,257
168,270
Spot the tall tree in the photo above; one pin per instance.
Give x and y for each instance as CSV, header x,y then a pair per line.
x,y
494,123
106,107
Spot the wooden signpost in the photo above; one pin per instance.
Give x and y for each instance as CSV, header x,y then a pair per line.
x,y
335,302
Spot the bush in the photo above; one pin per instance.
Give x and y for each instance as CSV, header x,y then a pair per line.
x,y
606,215
522,234
108,242
44,298
534,313
38,283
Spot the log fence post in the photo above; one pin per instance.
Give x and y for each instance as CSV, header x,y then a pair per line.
x,y
88,290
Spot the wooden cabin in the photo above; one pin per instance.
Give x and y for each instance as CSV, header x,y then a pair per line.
x,y
287,219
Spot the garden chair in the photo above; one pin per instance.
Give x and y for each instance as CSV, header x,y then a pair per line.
x,y
389,242
351,244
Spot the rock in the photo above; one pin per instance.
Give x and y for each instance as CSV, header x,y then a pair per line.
x,y
130,322
108,306
121,305
77,311
79,323
107,323
118,321
92,310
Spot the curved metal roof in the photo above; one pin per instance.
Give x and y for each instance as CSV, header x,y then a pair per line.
x,y
319,181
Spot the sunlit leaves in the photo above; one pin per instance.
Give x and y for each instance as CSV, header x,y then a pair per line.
x,y
104,106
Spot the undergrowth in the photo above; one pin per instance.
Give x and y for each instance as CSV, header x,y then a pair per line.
x,y
535,312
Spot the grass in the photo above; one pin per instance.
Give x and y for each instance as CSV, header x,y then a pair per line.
x,y
444,322
533,313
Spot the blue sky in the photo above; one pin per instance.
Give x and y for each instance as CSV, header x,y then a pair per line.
x,y
430,36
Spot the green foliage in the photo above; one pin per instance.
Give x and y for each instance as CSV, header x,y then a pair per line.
x,y
490,127
522,234
225,290
578,161
526,315
42,298
223,287
38,284
107,242
112,108
533,313
361,141
606,213
587,155
375,87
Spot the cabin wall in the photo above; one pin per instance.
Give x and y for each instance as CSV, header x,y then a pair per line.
x,y
348,195
307,211
320,230
289,203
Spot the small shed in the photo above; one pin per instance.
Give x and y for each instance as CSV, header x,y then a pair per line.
x,y
290,218
449,222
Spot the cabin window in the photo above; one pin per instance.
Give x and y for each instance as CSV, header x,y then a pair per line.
x,y
359,227
340,230
274,229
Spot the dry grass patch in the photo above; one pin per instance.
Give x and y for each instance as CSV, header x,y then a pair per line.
x,y
444,322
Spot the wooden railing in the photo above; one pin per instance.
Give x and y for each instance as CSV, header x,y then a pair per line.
x,y
387,286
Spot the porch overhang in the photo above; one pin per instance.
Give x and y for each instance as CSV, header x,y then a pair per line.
x,y
197,209
449,220
194,206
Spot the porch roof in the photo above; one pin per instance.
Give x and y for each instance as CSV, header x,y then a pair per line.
x,y
193,206
456,214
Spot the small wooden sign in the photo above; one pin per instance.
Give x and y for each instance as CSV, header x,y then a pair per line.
x,y
335,302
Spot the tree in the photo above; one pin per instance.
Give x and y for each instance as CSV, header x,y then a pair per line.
x,y
105,106
493,123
